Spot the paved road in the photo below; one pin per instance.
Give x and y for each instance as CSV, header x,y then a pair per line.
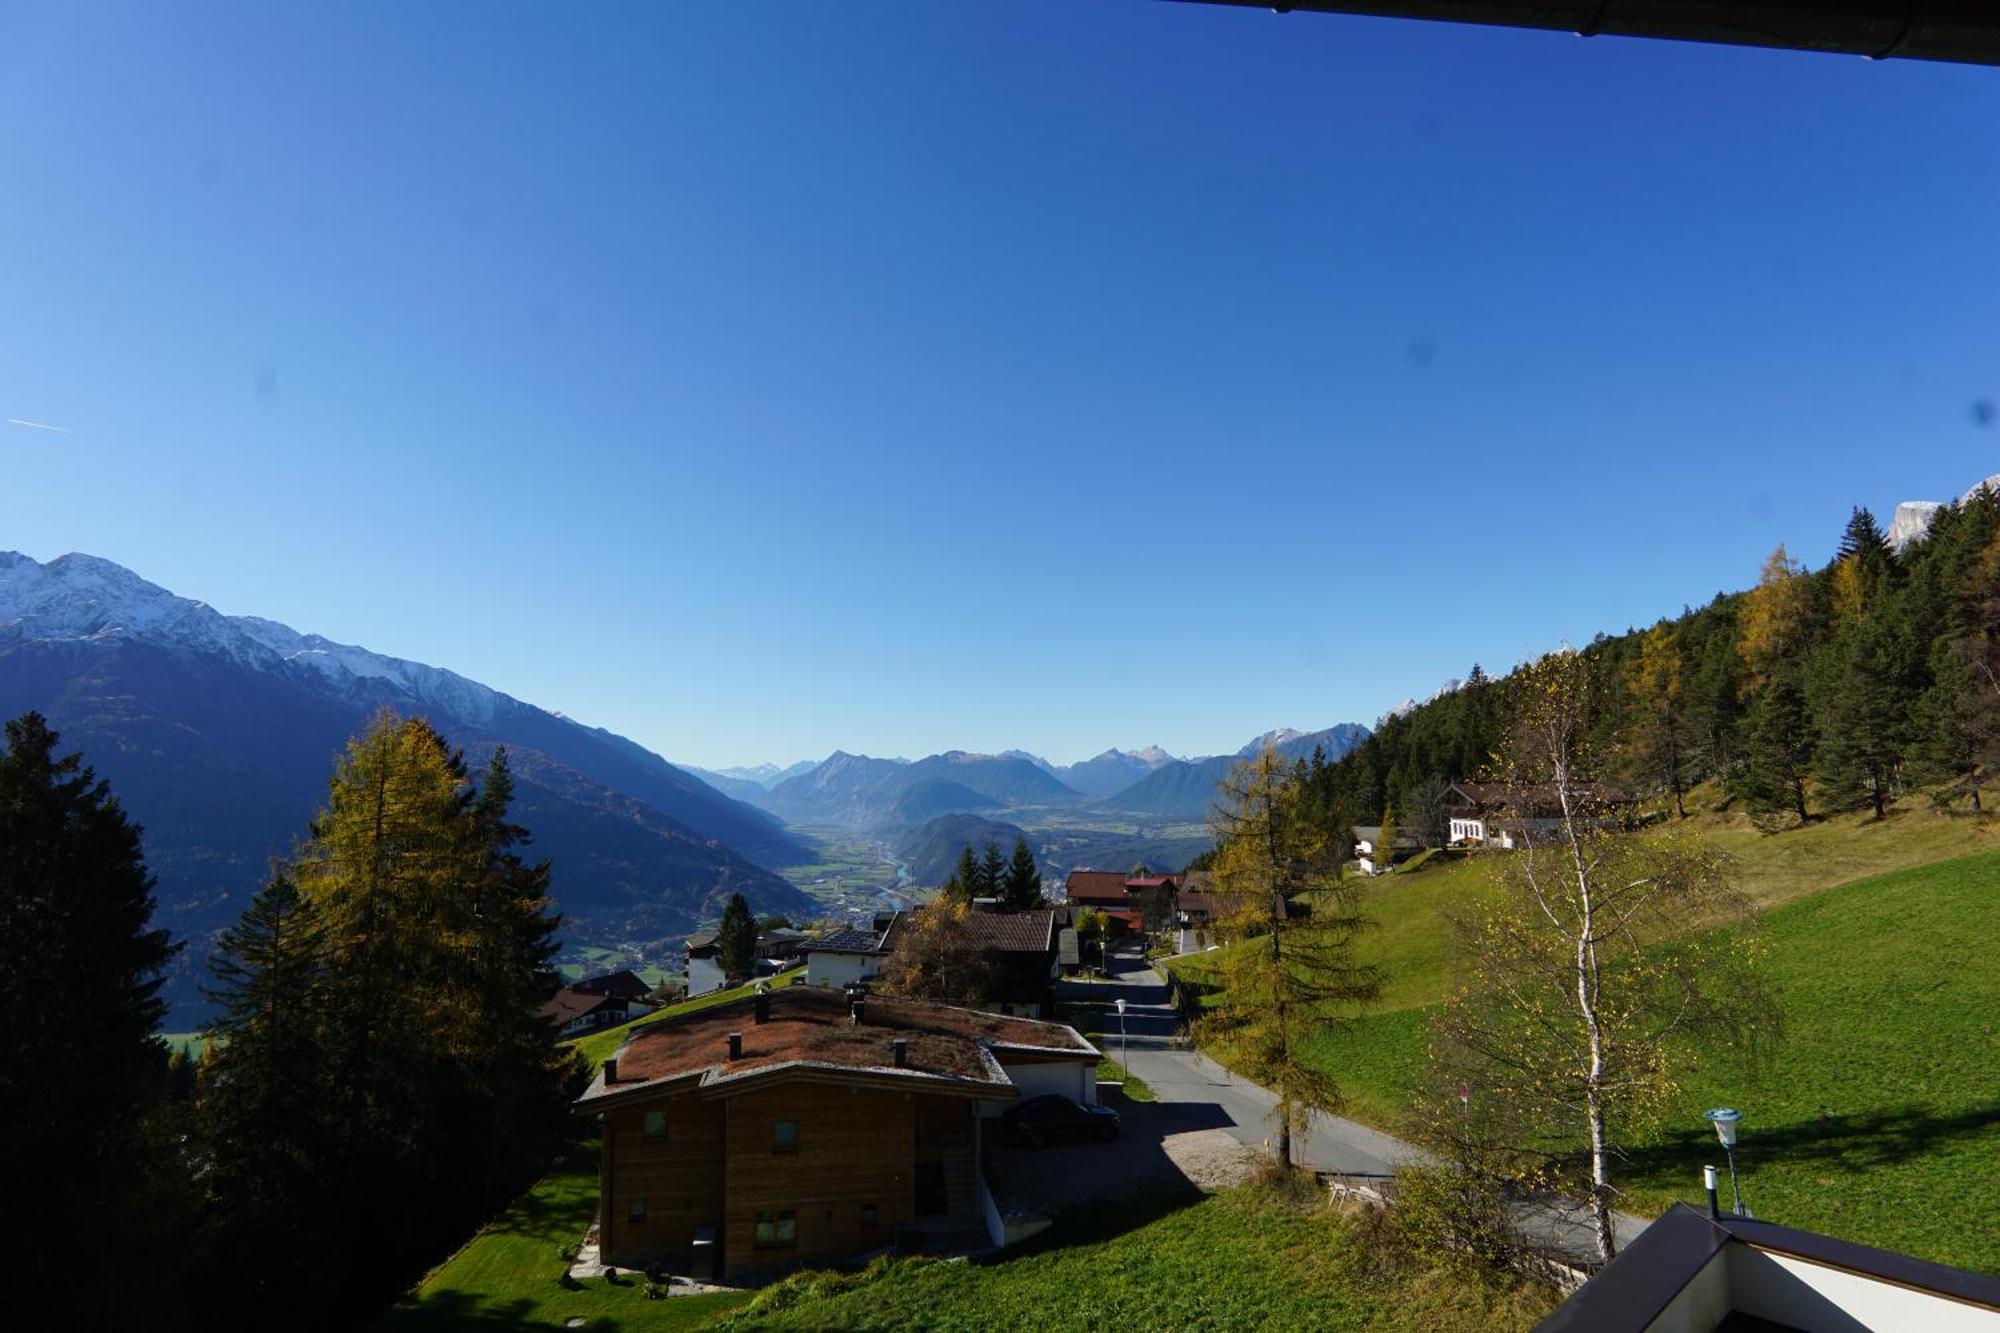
x,y
1330,1144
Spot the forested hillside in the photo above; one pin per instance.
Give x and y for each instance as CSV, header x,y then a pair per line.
x,y
1813,691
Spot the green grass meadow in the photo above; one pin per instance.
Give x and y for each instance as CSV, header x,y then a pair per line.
x,y
1876,1117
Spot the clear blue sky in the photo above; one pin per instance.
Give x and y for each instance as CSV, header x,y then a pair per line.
x,y
759,378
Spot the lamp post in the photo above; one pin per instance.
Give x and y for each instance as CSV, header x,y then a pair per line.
x,y
1726,1119
1124,1062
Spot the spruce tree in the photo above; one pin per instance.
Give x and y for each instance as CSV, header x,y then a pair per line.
x,y
1863,539
1021,889
736,938
963,886
80,1065
265,1100
992,873
1780,735
1864,717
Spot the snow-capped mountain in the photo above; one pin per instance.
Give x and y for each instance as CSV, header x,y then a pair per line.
x,y
86,598
217,732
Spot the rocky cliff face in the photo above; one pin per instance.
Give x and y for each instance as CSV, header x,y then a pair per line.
x,y
1912,521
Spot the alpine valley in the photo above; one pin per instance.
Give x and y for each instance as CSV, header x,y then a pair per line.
x,y
217,732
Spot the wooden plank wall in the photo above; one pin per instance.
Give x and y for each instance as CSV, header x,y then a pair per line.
x,y
855,1147
680,1179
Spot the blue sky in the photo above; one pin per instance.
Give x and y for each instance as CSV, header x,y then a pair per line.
x,y
761,378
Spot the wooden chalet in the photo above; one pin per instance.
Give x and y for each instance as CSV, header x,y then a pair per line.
x,y
807,1127
1502,814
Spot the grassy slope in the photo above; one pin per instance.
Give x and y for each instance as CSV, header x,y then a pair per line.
x,y
505,1277
1879,1116
1243,1259
599,1045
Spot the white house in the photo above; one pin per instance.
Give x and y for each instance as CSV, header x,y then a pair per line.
x,y
849,957
703,967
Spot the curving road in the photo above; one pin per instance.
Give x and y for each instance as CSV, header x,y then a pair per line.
x,y
1330,1144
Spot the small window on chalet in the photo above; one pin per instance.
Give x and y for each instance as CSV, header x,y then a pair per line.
x,y
636,1210
656,1125
777,1228
785,1136
867,1214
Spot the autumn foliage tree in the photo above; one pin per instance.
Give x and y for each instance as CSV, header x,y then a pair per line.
x,y
379,1025
936,957
1582,985
1296,971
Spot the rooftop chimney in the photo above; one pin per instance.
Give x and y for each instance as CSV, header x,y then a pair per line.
x,y
736,1046
611,1071
762,1009
900,1049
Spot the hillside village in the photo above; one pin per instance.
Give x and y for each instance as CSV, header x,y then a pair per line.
x,y
946,523
992,1068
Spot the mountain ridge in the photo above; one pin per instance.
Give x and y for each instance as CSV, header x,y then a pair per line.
x,y
218,733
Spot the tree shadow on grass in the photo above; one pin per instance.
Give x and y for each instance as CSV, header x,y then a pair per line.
x,y
1850,1143
463,1312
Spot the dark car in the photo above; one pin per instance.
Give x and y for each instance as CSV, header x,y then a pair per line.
x,y
1047,1118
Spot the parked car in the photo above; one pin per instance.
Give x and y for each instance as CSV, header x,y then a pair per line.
x,y
1052,1116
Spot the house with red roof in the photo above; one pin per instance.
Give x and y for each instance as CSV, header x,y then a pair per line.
x,y
807,1127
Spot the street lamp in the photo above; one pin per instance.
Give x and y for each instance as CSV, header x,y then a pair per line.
x,y
1124,1061
1726,1119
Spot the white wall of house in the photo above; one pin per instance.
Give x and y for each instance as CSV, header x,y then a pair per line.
x,y
1076,1080
703,976
837,971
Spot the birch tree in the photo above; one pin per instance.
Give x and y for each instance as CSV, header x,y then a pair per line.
x,y
1593,971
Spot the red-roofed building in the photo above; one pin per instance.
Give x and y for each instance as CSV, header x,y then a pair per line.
x,y
805,1127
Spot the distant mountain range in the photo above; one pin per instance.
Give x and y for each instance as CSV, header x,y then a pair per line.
x,y
218,734
856,791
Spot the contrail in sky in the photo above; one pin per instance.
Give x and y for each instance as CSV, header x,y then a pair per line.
x,y
37,425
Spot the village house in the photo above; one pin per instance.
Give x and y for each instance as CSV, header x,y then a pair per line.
x,y
600,1002
852,956
1127,901
702,965
808,1127
1499,814
1020,949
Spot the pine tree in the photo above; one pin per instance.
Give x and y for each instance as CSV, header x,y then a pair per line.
x,y
1864,717
1864,540
992,873
265,1097
1780,735
81,1068
736,938
963,886
1021,889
